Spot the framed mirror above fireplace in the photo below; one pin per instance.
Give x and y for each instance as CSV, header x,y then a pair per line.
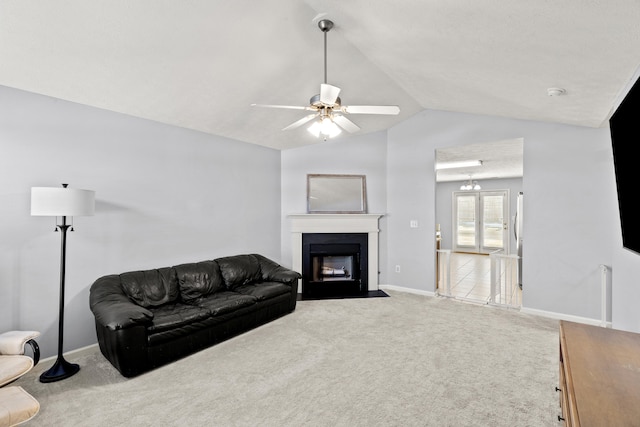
x,y
341,194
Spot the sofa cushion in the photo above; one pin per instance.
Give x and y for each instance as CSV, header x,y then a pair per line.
x,y
225,302
197,280
239,270
13,367
16,406
264,290
170,316
151,288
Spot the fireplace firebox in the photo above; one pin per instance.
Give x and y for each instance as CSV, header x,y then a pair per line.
x,y
334,264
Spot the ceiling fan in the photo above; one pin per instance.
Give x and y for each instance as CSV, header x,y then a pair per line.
x,y
328,112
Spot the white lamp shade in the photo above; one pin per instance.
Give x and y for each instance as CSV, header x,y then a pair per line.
x,y
54,201
314,129
325,127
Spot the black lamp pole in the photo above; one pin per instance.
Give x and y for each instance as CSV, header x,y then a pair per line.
x,y
61,369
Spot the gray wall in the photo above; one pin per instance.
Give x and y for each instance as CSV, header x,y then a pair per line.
x,y
164,195
626,289
570,210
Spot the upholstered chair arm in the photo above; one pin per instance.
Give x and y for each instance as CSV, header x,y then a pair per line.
x,y
112,308
274,272
14,343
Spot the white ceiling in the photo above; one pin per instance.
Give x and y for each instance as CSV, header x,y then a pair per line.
x,y
500,159
199,64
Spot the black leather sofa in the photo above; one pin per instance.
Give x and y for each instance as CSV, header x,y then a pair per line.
x,y
145,319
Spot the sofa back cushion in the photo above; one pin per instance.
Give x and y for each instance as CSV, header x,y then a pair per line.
x,y
151,288
198,279
239,270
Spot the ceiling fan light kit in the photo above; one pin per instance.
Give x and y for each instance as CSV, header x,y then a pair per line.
x,y
325,127
329,114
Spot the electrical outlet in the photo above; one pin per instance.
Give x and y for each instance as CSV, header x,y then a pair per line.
x,y
413,223
397,269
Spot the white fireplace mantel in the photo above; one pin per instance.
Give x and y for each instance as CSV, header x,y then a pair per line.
x,y
337,223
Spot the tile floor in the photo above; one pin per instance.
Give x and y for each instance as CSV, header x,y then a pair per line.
x,y
471,279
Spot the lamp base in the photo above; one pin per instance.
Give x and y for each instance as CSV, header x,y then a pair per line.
x,y
59,371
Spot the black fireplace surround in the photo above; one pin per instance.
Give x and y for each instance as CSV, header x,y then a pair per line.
x,y
334,264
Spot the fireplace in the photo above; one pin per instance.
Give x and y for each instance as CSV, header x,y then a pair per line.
x,y
334,264
365,225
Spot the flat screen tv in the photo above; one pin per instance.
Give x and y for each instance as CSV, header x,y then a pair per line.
x,y
625,139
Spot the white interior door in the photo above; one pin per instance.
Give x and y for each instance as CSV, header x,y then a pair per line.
x,y
480,221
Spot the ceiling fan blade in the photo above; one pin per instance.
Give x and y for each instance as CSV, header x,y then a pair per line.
x,y
290,107
328,94
301,121
345,123
371,109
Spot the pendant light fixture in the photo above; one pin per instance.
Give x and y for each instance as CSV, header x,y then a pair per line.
x,y
470,185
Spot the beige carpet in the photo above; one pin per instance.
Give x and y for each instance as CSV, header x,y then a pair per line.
x,y
407,360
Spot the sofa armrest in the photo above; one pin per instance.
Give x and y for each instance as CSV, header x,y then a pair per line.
x,y
14,342
112,308
274,272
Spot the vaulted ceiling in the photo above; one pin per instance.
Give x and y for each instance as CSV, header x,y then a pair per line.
x,y
200,64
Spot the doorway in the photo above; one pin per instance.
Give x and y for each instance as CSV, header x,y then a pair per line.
x,y
477,222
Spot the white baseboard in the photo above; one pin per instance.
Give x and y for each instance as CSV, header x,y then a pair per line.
x,y
536,312
408,290
562,316
53,358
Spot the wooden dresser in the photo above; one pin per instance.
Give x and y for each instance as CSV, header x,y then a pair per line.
x,y
599,376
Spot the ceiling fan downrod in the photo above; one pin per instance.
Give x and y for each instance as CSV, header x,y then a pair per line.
x,y
325,25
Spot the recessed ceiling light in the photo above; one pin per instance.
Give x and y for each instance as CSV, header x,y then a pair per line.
x,y
460,164
556,91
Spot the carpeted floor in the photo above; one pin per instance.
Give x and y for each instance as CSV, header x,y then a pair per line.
x,y
406,360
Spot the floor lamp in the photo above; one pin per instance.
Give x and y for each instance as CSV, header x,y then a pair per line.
x,y
61,202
